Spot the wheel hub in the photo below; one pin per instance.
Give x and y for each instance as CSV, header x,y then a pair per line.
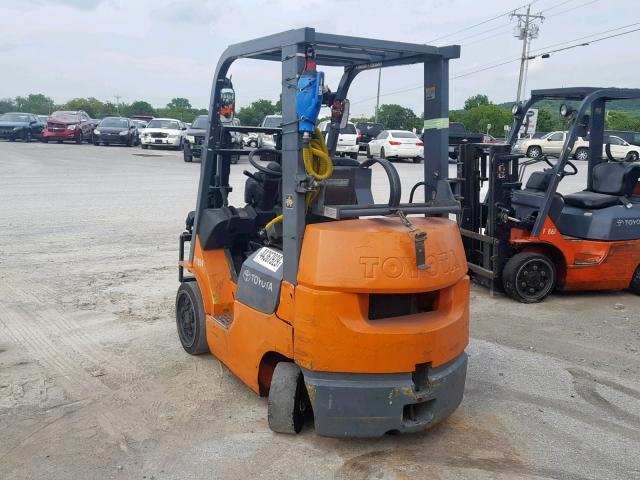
x,y
187,317
534,278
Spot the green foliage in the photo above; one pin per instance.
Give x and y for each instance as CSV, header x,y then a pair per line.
x,y
254,114
179,104
94,107
397,117
476,101
618,120
139,107
35,103
7,105
476,119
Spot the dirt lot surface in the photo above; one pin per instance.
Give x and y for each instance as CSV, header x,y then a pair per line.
x,y
94,383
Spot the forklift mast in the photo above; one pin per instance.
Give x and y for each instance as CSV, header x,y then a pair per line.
x,y
355,55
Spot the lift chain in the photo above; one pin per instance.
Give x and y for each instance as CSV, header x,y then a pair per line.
x,y
419,237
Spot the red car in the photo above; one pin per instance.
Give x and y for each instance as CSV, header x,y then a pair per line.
x,y
70,126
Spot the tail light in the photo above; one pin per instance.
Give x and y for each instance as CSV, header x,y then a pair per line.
x,y
359,134
394,142
420,144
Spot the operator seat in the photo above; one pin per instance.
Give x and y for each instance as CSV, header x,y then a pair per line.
x,y
613,183
528,201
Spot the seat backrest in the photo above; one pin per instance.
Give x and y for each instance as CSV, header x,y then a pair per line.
x,y
539,180
615,178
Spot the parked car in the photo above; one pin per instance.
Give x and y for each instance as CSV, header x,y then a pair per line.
x,y
23,126
551,144
630,137
164,132
266,140
250,140
116,130
458,135
140,126
396,144
69,125
367,131
347,139
194,138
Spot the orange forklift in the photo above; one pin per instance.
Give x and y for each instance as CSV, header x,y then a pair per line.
x,y
529,240
351,313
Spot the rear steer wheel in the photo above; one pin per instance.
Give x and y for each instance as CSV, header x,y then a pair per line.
x,y
288,403
190,319
634,286
529,277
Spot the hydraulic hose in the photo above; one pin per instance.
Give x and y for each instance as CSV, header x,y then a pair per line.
x,y
317,163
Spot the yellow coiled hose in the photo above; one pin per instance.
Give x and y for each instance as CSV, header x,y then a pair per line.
x,y
317,163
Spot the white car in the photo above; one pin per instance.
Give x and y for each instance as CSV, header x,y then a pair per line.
x,y
396,144
347,139
268,140
163,132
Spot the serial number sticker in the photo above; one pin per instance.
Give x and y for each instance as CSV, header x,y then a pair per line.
x,y
270,259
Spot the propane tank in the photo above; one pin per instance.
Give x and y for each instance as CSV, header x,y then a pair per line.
x,y
309,96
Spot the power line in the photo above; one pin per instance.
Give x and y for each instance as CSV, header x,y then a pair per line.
x,y
481,23
506,62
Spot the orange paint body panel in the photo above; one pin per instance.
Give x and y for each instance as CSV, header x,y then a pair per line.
x,y
342,262
323,323
590,265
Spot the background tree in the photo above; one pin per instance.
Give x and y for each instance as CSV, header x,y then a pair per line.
x,y
35,103
94,107
179,103
139,107
617,120
254,114
397,117
476,101
7,105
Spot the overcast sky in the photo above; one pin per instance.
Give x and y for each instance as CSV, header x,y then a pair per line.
x,y
155,50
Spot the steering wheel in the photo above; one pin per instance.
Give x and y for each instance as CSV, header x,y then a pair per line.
x,y
268,170
545,159
395,186
574,170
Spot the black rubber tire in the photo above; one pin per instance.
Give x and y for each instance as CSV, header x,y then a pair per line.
x,y
369,156
144,147
97,144
190,319
634,285
252,144
531,150
130,142
27,137
580,151
288,399
382,154
60,142
417,160
632,156
354,156
541,273
44,140
80,138
187,157
12,139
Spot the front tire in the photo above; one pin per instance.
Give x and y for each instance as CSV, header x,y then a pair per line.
x,y
369,156
187,156
190,319
632,157
144,147
529,277
27,136
417,160
582,154
383,155
534,152
288,400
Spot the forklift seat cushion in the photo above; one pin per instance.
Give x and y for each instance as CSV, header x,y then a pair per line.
x,y
611,181
591,200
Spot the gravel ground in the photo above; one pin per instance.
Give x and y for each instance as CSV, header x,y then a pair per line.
x,y
94,383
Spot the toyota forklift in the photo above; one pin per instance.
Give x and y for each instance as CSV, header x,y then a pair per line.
x,y
345,312
529,240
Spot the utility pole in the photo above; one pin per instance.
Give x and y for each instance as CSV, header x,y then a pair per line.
x,y
526,31
117,97
378,96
